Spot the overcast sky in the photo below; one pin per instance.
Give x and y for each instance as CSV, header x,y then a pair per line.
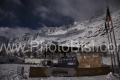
x,y
35,14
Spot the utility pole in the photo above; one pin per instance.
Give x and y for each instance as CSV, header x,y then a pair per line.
x,y
118,60
112,55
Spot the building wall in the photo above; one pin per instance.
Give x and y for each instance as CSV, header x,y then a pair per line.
x,y
10,59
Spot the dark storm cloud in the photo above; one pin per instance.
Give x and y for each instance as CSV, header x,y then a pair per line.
x,y
75,9
15,1
38,13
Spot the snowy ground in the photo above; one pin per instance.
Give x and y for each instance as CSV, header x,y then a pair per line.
x,y
9,72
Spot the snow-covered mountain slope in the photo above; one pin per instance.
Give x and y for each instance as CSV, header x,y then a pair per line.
x,y
86,32
3,39
15,31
